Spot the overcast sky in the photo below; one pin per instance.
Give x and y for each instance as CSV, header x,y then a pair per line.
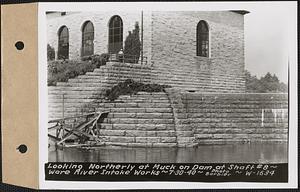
x,y
266,40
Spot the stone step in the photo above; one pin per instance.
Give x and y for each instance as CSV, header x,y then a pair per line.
x,y
137,105
125,71
241,131
92,76
121,73
138,121
113,77
173,72
144,97
76,90
223,110
75,97
232,115
142,127
141,100
237,141
108,83
200,79
186,68
132,67
68,88
83,84
235,106
217,100
141,115
68,111
200,125
145,145
238,120
139,139
137,133
234,96
141,110
194,74
201,85
178,81
240,136
127,65
231,102
87,80
99,102
69,104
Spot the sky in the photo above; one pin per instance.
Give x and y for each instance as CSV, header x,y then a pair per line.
x,y
266,40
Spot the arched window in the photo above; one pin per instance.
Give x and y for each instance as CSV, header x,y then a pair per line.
x,y
202,39
63,43
87,39
115,36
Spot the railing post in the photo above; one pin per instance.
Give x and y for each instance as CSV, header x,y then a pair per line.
x,y
63,116
142,38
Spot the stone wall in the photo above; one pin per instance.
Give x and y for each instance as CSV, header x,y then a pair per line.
x,y
178,119
83,91
229,118
174,46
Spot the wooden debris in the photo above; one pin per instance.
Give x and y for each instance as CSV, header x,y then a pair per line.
x,y
84,132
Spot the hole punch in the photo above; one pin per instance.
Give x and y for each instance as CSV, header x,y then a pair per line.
x,y
22,148
19,45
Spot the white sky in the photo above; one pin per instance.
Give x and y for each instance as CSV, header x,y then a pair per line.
x,y
266,39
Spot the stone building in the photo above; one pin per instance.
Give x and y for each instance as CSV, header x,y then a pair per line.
x,y
200,54
206,46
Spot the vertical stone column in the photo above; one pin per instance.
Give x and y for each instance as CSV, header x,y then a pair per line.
x,y
184,132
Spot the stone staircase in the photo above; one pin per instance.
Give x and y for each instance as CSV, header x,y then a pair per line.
x,y
78,93
142,120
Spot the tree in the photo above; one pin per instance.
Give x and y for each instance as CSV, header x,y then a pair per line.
x,y
50,53
132,46
266,84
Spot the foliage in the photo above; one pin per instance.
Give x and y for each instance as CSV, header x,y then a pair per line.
x,y
62,70
97,60
129,87
266,84
50,53
132,46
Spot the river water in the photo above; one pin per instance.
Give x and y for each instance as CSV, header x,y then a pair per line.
x,y
233,153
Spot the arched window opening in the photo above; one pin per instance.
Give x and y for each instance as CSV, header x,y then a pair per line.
x,y
87,39
202,39
63,43
115,37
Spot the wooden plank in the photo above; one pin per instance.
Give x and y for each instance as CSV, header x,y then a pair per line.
x,y
88,132
57,125
76,129
53,137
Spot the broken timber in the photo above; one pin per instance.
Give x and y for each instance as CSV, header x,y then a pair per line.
x,y
85,131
